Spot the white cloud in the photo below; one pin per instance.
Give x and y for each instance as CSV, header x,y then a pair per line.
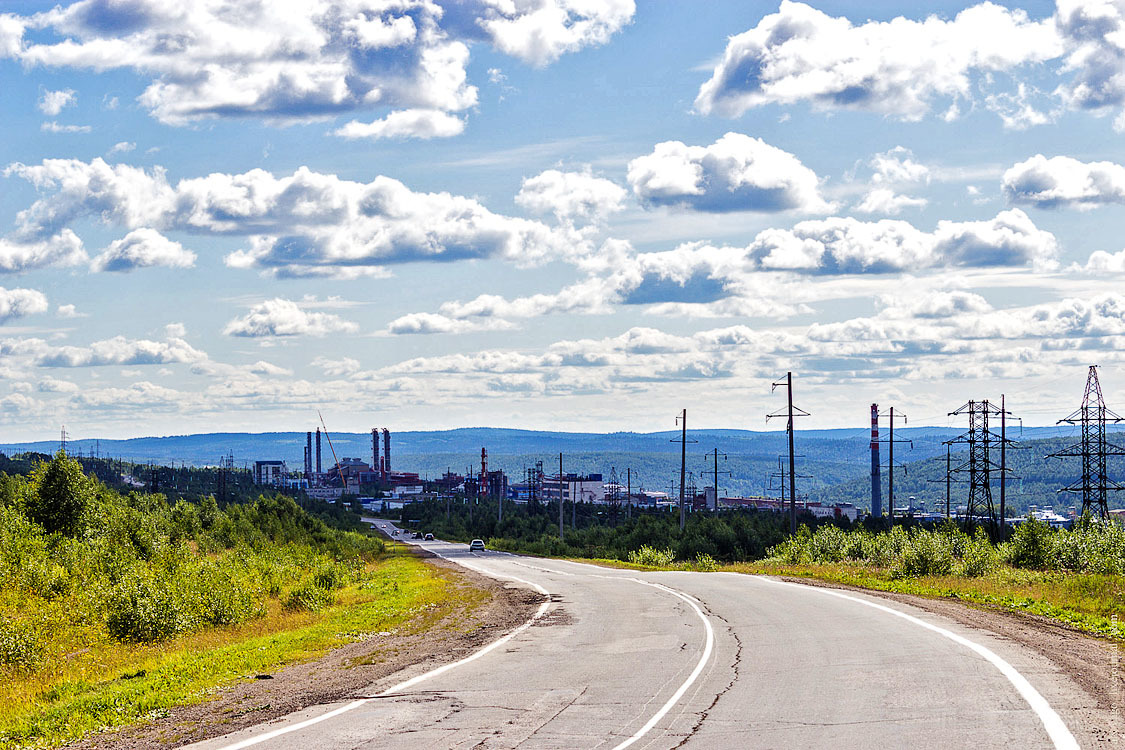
x,y
897,166
845,245
68,311
120,351
571,195
1095,34
175,330
142,248
427,323
304,224
122,147
62,249
261,367
54,127
406,123
900,68
19,303
1063,182
282,317
300,61
933,304
53,102
337,367
54,385
736,173
540,31
1102,262
887,201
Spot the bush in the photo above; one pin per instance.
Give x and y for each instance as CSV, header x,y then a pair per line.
x,y
656,558
60,495
705,562
1030,546
21,646
144,610
309,597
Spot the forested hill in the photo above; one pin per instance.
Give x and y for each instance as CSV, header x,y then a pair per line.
x,y
1033,479
836,459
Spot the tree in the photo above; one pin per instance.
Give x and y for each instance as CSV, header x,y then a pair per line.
x,y
61,494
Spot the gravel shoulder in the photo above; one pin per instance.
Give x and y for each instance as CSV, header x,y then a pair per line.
x,y
344,673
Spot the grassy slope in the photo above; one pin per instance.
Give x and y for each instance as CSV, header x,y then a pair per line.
x,y
113,684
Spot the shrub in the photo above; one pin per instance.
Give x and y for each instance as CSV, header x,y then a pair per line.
x,y
21,646
924,553
656,558
978,556
1030,546
309,597
143,610
705,562
60,496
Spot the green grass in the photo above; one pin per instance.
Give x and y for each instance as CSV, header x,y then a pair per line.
x,y
116,684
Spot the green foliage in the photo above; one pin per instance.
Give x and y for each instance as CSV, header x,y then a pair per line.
x,y
146,570
1030,546
60,495
647,555
21,646
309,597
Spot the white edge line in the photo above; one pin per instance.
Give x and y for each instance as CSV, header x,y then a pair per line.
x,y
1056,728
691,678
257,739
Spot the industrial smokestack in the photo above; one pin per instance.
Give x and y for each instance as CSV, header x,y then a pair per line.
x,y
318,465
386,452
308,455
374,449
876,482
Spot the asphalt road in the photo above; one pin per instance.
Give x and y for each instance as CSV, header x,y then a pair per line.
x,y
701,660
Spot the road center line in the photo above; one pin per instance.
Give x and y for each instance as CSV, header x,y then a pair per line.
x,y
1052,722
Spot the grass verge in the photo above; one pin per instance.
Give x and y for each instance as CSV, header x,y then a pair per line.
x,y
108,684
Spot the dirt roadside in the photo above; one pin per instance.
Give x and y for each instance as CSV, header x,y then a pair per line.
x,y
1096,666
340,674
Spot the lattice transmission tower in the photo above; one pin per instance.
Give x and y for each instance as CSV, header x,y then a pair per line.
x,y
979,465
1094,449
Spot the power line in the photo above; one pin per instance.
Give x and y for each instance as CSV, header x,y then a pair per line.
x,y
790,413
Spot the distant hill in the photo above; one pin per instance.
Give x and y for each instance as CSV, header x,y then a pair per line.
x,y
836,462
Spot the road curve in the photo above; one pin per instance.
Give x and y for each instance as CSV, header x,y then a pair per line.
x,y
697,660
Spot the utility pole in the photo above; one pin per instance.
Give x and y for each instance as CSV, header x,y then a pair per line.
x,y
791,412
683,441
1003,465
629,493
891,416
1094,448
714,455
876,481
560,499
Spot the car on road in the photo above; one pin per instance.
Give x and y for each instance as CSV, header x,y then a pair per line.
x,y
429,537
476,545
417,535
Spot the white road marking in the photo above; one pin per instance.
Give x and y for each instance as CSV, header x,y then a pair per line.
x,y
1052,722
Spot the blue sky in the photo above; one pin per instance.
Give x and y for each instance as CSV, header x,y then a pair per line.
x,y
554,214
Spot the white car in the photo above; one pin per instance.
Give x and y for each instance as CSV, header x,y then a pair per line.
x,y
476,545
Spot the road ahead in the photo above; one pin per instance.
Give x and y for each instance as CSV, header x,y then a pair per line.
x,y
701,660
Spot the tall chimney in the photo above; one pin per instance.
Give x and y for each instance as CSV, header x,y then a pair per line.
x,y
374,449
876,482
308,455
386,453
318,469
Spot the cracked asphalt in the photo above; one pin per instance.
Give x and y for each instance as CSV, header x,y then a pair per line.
x,y
790,668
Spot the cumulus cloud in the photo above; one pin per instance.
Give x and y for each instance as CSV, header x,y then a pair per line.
x,y
846,245
901,68
427,323
887,201
736,173
1063,182
25,253
261,367
120,351
305,224
406,123
308,60
540,31
1095,34
53,102
143,248
282,317
571,196
19,303
68,311
122,147
337,367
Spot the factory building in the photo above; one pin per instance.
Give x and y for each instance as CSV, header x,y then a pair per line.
x,y
273,473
